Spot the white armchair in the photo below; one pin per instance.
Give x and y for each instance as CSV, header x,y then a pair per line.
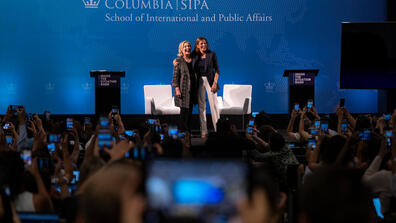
x,y
236,100
158,100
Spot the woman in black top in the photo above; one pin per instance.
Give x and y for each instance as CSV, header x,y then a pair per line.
x,y
207,69
185,81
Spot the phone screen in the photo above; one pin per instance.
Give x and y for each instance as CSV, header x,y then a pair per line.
x,y
312,143
324,126
105,138
69,123
314,132
296,107
54,138
251,122
310,104
387,117
254,114
26,156
6,126
152,122
51,147
130,133
86,120
344,127
9,140
377,205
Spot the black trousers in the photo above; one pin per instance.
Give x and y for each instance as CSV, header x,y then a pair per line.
x,y
185,119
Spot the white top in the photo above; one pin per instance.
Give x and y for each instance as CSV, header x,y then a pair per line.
x,y
24,202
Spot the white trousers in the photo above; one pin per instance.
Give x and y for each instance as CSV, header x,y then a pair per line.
x,y
212,97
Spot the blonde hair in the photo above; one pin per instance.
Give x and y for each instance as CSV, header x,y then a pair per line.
x,y
180,54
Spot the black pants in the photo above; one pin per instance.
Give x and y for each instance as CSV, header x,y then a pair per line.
x,y
185,119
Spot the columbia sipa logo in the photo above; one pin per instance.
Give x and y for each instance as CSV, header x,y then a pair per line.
x,y
91,4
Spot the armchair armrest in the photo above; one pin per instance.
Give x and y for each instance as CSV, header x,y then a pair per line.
x,y
220,101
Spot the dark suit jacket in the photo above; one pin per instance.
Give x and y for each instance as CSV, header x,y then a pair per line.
x,y
211,66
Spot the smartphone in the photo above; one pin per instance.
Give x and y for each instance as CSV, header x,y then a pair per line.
x,y
157,129
43,163
251,123
342,102
69,124
9,140
152,121
51,147
105,138
87,120
130,133
173,131
296,106
365,135
312,143
254,114
52,138
310,103
292,146
114,111
181,135
344,126
6,126
26,156
388,136
76,176
377,205
324,126
314,132
250,130
317,124
387,117
162,137
104,122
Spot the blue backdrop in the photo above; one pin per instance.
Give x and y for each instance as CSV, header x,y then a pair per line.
x,y
47,48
